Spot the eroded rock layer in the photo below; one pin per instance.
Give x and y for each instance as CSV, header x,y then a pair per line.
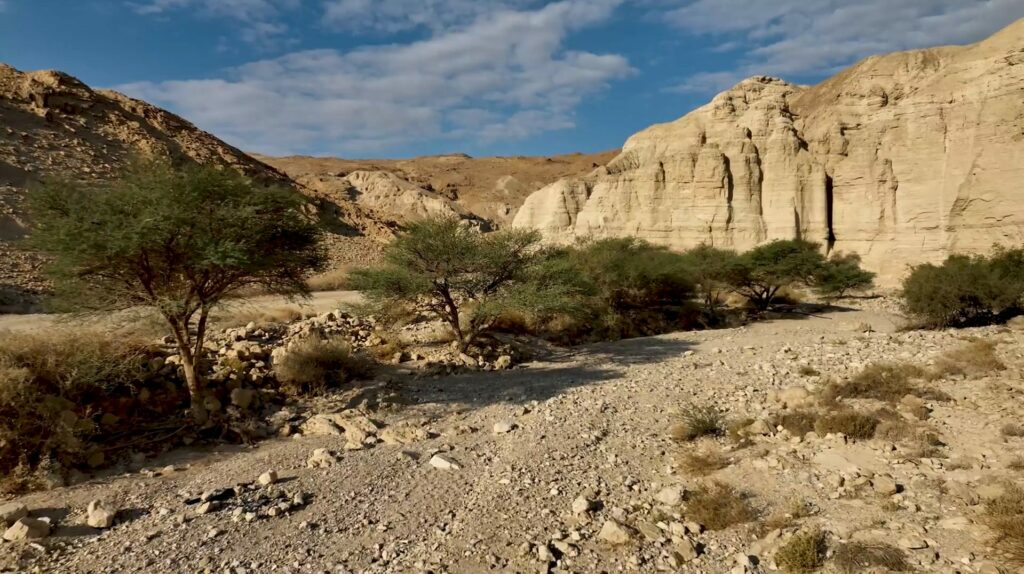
x,y
902,158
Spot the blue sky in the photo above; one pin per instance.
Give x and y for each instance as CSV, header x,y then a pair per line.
x,y
398,78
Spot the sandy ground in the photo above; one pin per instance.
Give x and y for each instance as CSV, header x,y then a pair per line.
x,y
318,303
591,423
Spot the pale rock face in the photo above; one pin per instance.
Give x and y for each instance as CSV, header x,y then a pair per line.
x,y
386,194
903,158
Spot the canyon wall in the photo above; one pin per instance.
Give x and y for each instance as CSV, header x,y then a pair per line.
x,y
903,158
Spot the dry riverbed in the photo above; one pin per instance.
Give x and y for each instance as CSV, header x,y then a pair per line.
x,y
569,465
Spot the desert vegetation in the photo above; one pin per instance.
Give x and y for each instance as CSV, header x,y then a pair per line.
x,y
176,239
966,290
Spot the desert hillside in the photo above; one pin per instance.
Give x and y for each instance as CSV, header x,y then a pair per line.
x,y
51,124
486,188
902,158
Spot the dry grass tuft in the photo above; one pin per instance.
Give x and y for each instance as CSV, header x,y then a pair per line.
x,y
51,387
333,280
1005,516
698,421
315,365
798,423
719,506
850,423
1016,463
1012,429
973,359
808,371
803,552
797,509
856,557
702,463
887,382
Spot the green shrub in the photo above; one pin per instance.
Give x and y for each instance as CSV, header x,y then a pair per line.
x,y
315,365
966,290
804,552
710,269
635,288
54,387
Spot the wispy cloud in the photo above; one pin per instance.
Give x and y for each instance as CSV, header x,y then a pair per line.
x,y
260,19
389,16
804,38
506,75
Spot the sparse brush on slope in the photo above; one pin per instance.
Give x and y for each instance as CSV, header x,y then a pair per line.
x,y
804,552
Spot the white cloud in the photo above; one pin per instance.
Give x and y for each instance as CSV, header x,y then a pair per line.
x,y
260,19
505,76
818,37
389,16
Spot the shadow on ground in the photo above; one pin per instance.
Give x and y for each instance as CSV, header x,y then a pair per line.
x,y
541,381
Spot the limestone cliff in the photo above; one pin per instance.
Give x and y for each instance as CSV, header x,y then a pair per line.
x,y
902,158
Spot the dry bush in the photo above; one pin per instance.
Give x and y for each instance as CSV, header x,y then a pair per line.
x,y
973,359
387,350
719,506
333,280
887,382
53,386
803,552
736,429
1005,516
315,365
798,423
850,423
808,371
702,463
698,421
856,557
1012,429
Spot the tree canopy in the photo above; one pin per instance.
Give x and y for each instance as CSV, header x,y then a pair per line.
x,y
178,239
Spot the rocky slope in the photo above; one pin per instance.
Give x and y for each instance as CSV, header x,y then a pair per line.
x,y
51,124
902,158
489,188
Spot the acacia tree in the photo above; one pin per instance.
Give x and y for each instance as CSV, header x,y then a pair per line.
x,y
759,274
462,277
840,274
174,239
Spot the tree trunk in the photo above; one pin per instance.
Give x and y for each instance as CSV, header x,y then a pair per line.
x,y
192,380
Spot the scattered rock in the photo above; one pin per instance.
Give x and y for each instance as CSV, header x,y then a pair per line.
x,y
268,478
11,513
99,515
503,427
614,533
444,463
321,458
27,529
